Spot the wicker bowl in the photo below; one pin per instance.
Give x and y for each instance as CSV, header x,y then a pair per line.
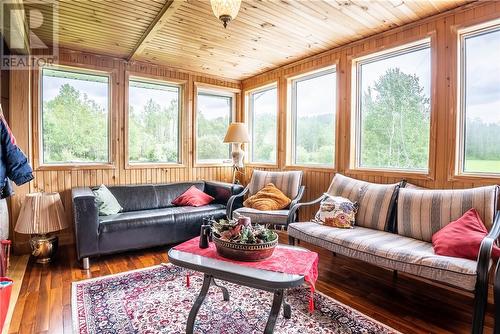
x,y
245,252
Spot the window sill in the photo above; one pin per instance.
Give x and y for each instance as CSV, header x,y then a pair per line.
x,y
416,175
469,177
69,167
316,168
261,165
211,164
150,165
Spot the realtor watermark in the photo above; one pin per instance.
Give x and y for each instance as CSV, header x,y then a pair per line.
x,y
30,30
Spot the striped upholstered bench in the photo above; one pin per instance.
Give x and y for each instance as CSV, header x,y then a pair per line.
x,y
395,227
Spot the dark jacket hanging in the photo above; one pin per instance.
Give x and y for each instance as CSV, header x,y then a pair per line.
x,y
13,163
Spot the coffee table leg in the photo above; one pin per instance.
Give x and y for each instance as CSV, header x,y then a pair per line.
x,y
207,279
287,310
225,293
275,310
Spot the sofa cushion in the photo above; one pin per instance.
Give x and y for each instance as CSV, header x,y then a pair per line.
x,y
106,202
277,217
288,182
135,197
166,193
389,250
376,202
193,197
137,219
423,212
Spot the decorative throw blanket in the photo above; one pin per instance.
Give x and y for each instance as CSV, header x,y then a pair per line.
x,y
284,260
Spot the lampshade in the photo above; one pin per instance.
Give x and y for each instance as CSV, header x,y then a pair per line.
x,y
41,213
225,10
236,133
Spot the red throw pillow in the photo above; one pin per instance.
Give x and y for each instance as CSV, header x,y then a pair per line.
x,y
193,197
462,238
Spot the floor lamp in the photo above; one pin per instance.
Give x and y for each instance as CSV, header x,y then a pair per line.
x,y
237,134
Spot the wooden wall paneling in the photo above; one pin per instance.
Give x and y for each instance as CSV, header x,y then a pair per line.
x,y
442,29
24,97
20,123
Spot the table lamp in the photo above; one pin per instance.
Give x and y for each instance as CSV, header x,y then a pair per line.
x,y
237,134
41,214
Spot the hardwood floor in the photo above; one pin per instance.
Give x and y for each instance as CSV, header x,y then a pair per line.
x,y
407,304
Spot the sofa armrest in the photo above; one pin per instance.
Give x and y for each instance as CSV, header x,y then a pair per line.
x,y
222,191
86,220
293,211
235,202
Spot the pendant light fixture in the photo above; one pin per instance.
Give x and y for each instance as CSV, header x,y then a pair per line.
x,y
225,10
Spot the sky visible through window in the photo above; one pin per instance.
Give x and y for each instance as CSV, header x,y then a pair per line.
x,y
264,125
98,92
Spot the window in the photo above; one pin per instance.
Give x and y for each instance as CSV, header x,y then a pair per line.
x,y
154,121
480,101
313,118
262,114
393,109
213,117
74,116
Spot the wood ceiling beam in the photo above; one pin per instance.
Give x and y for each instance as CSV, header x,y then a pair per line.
x,y
166,12
16,32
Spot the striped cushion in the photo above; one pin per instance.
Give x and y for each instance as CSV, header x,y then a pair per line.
x,y
276,217
288,182
376,201
421,213
389,250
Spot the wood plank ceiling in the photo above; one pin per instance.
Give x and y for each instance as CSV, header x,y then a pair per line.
x,y
266,33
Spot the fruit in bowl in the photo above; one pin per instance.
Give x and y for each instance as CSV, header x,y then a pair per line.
x,y
241,241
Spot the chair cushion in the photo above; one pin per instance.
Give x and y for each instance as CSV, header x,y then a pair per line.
x,y
423,212
277,217
267,199
193,197
172,215
288,182
462,238
389,250
376,202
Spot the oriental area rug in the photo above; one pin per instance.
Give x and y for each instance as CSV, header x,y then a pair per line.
x,y
157,300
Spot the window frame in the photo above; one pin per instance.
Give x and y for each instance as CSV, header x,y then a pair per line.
x,y
37,96
413,44
292,119
209,89
460,154
249,117
182,123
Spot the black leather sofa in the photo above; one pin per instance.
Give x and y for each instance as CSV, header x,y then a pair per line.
x,y
148,217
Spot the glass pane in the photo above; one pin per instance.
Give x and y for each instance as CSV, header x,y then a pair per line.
x,y
74,117
213,118
264,125
153,122
482,103
315,109
395,111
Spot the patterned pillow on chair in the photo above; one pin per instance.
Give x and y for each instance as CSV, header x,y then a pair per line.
x,y
336,211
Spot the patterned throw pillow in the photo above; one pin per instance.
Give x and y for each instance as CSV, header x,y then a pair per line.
x,y
336,211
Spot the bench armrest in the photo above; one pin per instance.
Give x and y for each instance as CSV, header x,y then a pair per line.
x,y
293,210
298,197
235,202
86,220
